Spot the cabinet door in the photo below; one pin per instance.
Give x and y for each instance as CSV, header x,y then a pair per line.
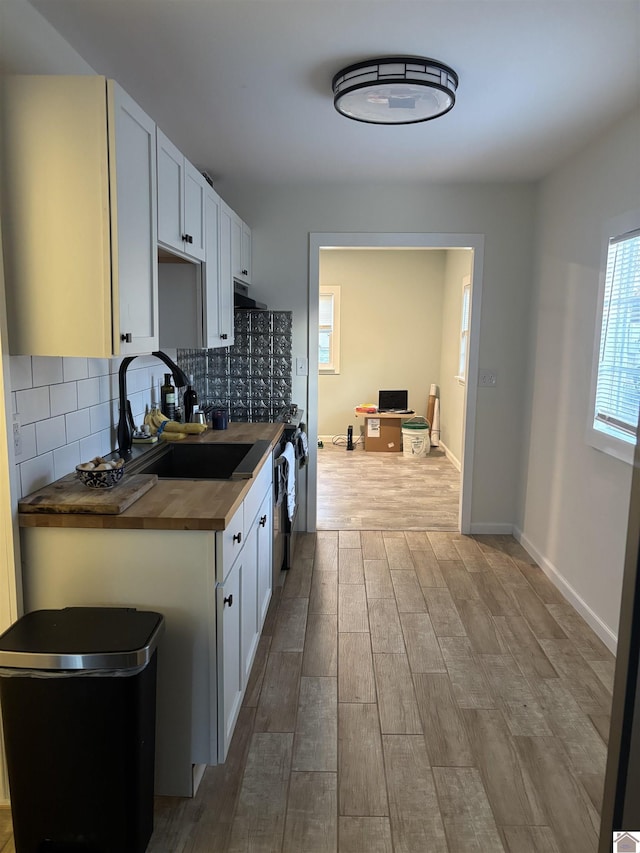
x,y
134,266
170,188
225,297
245,253
230,669
264,551
195,188
211,308
250,632
236,246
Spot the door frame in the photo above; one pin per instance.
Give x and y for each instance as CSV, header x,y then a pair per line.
x,y
344,240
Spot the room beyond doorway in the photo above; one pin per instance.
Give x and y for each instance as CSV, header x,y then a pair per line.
x,y
473,244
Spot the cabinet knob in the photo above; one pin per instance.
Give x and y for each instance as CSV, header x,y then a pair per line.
x,y
187,238
263,521
127,336
237,537
224,336
245,272
228,600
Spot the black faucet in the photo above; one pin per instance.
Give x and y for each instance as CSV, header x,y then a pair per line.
x,y
126,427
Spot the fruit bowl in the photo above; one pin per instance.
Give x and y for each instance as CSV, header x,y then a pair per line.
x,y
100,474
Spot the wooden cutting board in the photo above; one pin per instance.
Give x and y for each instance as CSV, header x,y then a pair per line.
x,y
70,495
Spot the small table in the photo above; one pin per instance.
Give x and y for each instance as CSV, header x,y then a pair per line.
x,y
383,430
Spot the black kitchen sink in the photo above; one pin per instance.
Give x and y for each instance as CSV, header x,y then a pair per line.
x,y
214,461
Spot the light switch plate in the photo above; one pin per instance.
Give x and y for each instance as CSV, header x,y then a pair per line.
x,y
302,367
487,379
17,436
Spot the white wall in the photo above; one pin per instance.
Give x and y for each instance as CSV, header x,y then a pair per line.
x,y
282,217
575,500
452,391
391,329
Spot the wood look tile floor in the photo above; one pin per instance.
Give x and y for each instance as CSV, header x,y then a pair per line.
x,y
413,692
359,490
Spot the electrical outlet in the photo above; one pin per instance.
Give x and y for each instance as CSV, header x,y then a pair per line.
x,y
302,367
488,379
17,436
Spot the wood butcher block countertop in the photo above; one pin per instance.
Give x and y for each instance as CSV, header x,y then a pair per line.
x,y
177,504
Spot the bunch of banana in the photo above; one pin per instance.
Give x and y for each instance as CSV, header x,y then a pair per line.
x,y
172,430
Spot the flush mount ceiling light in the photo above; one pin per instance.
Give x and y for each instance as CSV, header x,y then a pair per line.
x,y
395,90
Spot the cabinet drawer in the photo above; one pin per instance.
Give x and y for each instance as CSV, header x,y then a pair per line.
x,y
230,542
261,485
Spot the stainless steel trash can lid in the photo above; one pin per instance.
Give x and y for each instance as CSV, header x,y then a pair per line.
x,y
78,638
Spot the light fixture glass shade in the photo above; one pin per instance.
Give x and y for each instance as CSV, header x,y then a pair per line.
x,y
395,90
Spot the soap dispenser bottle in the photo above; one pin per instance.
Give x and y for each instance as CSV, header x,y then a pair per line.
x,y
190,400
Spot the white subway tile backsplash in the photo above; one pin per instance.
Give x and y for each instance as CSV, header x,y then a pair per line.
x,y
91,446
108,440
50,434
69,409
78,424
137,380
33,405
98,366
20,369
138,402
100,417
36,473
88,393
46,369
75,368
63,398
108,387
66,458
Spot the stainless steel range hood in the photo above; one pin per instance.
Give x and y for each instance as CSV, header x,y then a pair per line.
x,y
241,298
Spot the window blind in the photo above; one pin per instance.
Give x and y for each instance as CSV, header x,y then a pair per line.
x,y
618,385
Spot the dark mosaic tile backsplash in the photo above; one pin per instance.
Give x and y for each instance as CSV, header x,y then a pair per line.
x,y
252,378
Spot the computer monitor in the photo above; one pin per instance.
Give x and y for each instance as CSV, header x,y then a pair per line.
x,y
393,401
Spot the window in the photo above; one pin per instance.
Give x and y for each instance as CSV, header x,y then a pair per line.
x,y
464,328
617,384
329,329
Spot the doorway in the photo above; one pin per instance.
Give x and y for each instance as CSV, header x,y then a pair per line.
x,y
474,243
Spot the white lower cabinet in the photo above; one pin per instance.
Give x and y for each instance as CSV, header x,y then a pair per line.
x,y
249,630
264,556
212,590
231,679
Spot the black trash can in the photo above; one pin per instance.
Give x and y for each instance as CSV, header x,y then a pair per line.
x,y
77,691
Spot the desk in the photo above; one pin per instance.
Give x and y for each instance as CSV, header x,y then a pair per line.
x,y
383,430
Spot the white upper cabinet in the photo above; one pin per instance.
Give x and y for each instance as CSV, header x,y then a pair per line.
x,y
134,269
240,249
181,202
218,289
79,218
245,253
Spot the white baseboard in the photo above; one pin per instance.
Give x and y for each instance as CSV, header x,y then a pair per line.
x,y
453,459
488,527
590,616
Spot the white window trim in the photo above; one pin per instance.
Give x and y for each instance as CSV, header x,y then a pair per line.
x,y
603,439
464,333
334,367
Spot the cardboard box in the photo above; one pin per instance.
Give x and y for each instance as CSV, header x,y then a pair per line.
x,y
383,435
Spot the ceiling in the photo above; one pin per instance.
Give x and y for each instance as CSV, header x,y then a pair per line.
x,y
243,87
